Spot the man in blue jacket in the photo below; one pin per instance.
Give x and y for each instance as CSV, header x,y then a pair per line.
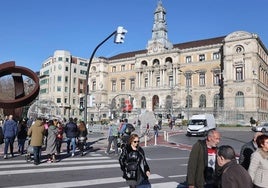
x,y
71,134
10,130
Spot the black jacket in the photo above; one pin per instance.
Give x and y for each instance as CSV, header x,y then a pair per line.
x,y
133,163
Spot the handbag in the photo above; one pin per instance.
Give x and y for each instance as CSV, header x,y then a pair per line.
x,y
132,166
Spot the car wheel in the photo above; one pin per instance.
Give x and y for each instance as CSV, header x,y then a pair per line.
x,y
263,130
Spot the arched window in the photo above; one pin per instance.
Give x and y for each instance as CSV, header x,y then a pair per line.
x,y
168,60
143,102
239,99
144,63
202,101
189,101
156,62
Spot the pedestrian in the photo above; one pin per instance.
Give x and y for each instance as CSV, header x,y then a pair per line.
x,y
258,168
22,135
247,149
51,148
71,131
147,131
233,175
59,135
112,138
203,170
124,132
1,135
10,131
37,132
156,128
82,136
133,163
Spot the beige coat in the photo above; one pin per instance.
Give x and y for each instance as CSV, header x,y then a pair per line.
x,y
258,168
36,132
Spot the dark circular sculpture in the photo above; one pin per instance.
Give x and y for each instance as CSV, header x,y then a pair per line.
x,y
9,68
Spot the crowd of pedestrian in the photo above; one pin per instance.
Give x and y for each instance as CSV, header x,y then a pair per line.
x,y
213,166
42,135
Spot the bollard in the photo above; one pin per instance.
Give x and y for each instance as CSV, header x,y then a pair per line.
x,y
165,135
155,139
145,141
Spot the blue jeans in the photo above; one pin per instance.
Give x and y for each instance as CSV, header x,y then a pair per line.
x,y
73,144
9,142
37,154
21,143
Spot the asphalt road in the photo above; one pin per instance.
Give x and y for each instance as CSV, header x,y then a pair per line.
x,y
167,160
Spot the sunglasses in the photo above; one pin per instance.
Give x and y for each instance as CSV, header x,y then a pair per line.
x,y
136,141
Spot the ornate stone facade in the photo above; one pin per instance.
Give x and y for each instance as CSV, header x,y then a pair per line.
x,y
225,75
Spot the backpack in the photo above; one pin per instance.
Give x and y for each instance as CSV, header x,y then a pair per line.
x,y
129,128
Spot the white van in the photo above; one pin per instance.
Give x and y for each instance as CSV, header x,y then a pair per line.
x,y
200,124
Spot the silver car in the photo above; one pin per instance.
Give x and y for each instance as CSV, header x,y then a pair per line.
x,y
261,128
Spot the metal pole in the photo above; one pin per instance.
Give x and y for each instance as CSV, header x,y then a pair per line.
x,y
87,75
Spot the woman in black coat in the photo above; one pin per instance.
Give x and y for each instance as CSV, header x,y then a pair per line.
x,y
133,163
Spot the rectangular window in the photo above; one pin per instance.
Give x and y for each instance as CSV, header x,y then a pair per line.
x,y
74,70
202,57
65,100
216,79
216,55
146,82
58,100
58,89
123,85
74,90
67,59
170,81
132,84
188,59
66,89
59,58
239,74
114,69
188,77
123,67
157,81
113,85
202,79
66,79
59,78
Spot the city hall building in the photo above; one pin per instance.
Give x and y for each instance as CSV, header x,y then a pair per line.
x,y
225,75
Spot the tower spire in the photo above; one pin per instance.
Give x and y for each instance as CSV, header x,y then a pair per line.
x,y
159,31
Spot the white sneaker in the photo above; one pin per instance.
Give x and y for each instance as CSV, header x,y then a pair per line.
x,y
72,154
5,156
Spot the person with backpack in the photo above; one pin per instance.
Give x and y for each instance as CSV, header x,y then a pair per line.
x,y
112,138
126,130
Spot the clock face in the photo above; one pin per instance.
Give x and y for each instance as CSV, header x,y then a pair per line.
x,y
155,48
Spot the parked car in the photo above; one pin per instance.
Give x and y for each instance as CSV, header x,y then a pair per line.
x,y
260,128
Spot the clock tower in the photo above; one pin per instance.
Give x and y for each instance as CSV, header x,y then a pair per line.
x,y
159,41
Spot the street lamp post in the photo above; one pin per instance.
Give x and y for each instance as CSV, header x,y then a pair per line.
x,y
119,36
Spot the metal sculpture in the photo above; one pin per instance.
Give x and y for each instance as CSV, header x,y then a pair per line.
x,y
13,106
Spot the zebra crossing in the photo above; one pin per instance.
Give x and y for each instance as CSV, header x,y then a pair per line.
x,y
14,173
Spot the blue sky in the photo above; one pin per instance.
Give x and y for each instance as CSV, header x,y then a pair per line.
x,y
31,30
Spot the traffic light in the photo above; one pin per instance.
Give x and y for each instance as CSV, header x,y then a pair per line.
x,y
81,104
120,35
